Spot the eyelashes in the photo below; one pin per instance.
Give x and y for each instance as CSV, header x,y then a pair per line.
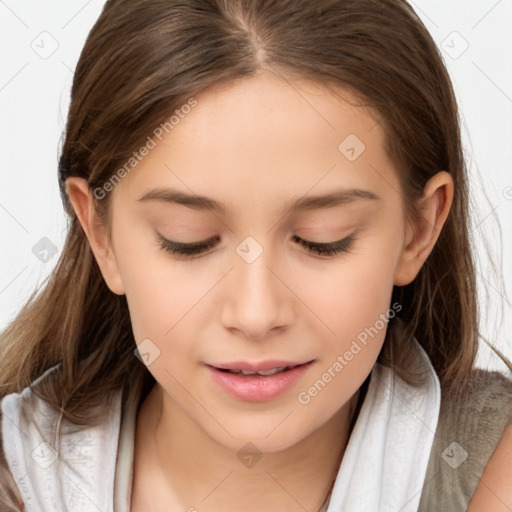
x,y
197,248
186,249
327,249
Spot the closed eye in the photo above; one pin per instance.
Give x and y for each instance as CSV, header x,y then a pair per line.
x,y
327,249
196,248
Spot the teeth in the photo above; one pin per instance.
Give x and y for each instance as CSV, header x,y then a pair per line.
x,y
264,373
271,372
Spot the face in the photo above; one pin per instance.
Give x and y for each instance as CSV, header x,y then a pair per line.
x,y
267,274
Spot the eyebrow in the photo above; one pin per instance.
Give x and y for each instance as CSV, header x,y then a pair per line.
x,y
196,202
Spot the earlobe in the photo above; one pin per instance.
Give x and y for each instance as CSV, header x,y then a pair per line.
x,y
421,237
82,201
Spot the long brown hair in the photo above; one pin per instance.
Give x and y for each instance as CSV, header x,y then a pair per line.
x,y
142,60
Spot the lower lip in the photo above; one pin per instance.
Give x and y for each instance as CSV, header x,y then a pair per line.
x,y
258,388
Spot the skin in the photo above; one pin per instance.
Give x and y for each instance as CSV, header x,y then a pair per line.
x,y
494,491
256,145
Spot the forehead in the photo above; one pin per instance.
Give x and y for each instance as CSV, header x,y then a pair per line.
x,y
269,137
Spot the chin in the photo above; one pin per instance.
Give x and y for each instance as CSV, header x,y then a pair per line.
x,y
270,434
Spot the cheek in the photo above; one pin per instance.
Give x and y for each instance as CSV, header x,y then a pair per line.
x,y
159,291
352,296
355,304
160,302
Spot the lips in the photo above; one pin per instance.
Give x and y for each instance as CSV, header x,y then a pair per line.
x,y
263,373
257,367
256,382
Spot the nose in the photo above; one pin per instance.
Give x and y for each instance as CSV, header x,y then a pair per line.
x,y
258,302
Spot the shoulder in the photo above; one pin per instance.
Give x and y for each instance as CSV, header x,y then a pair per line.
x,y
478,411
494,491
9,491
50,457
473,427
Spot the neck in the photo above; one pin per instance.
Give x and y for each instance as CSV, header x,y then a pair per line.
x,y
195,471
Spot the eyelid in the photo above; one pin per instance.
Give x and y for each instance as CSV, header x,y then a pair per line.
x,y
328,248
197,249
192,248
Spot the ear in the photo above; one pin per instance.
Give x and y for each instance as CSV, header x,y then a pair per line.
x,y
421,237
82,201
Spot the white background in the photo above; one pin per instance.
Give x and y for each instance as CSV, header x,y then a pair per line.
x,y
34,96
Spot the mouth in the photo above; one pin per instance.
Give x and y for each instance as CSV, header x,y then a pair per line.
x,y
258,382
262,373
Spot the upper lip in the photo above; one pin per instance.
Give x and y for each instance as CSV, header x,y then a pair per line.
x,y
257,367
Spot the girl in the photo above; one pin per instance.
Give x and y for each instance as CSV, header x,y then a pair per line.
x,y
266,299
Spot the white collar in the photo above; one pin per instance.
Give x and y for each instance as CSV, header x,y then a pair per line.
x,y
80,476
386,458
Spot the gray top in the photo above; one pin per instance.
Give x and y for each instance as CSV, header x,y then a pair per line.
x,y
470,427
